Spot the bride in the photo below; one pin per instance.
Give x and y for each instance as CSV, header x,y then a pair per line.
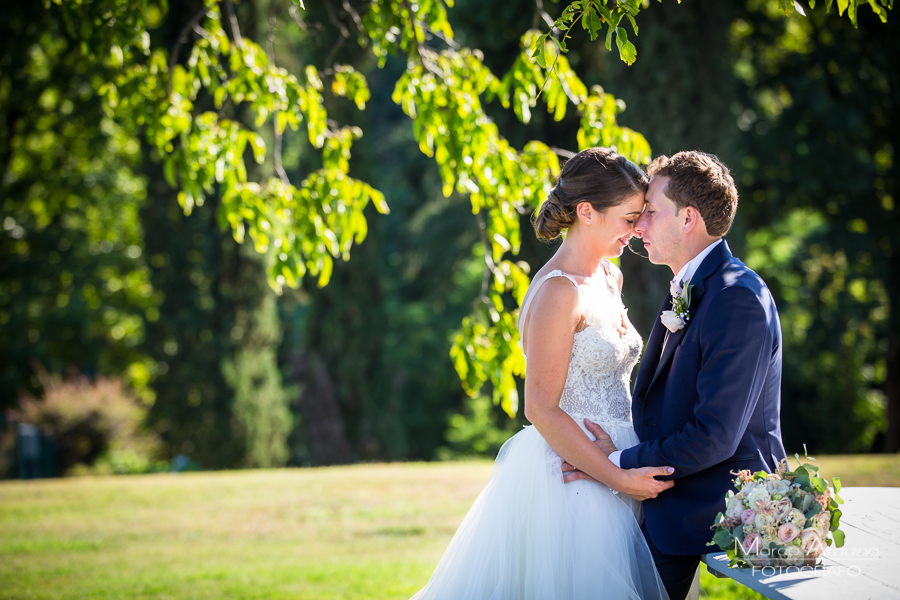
x,y
529,535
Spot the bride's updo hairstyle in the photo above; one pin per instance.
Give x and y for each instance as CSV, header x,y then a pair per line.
x,y
596,175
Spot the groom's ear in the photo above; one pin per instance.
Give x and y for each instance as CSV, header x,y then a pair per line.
x,y
691,220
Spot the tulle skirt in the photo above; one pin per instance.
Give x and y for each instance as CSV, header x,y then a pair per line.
x,y
531,536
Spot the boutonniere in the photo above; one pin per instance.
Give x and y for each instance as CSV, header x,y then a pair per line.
x,y
677,318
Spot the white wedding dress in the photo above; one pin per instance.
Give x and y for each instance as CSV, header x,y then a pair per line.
x,y
531,536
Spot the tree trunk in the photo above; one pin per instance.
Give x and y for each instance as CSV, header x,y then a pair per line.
x,y
321,413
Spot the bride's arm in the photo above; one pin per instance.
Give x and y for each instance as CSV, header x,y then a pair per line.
x,y
553,319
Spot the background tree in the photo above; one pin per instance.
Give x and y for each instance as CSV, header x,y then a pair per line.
x,y
818,112
221,124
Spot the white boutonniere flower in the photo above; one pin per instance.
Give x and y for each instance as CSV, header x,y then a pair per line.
x,y
677,318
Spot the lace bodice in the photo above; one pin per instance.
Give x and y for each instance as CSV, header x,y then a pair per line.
x,y
598,383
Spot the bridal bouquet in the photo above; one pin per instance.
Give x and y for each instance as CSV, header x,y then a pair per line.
x,y
779,519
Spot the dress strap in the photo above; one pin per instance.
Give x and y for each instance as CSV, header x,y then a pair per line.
x,y
606,265
537,286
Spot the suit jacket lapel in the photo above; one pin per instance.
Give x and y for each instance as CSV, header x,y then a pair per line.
x,y
652,352
709,265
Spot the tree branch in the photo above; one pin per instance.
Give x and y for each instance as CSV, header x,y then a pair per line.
x,y
355,16
313,30
345,35
489,267
542,14
334,20
449,41
270,51
235,29
182,38
422,50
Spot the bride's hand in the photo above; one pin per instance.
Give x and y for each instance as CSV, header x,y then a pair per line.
x,y
636,483
640,483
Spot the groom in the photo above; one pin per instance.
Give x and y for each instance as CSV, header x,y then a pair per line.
x,y
708,393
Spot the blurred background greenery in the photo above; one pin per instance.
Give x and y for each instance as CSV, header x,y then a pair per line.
x,y
140,336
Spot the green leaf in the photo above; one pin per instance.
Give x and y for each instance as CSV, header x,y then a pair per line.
x,y
561,44
836,482
816,509
723,539
378,201
257,145
325,273
538,53
806,454
591,21
609,34
281,122
219,96
838,538
627,51
169,171
633,23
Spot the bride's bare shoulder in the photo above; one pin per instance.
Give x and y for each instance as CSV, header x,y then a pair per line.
x,y
557,300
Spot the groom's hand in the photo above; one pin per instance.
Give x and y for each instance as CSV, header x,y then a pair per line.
x,y
603,442
571,474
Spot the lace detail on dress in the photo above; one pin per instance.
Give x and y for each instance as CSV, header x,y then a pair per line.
x,y
598,384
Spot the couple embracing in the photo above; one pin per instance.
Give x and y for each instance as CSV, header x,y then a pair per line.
x,y
609,494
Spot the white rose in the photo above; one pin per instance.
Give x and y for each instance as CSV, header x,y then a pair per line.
x,y
734,508
746,491
759,494
778,486
674,289
671,320
763,521
797,518
769,536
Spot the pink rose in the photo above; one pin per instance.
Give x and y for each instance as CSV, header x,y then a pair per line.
x,y
787,532
748,516
812,543
751,543
823,520
781,509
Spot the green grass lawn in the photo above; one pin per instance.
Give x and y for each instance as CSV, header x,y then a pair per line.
x,y
367,531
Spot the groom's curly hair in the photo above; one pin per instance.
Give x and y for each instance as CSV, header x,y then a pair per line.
x,y
703,181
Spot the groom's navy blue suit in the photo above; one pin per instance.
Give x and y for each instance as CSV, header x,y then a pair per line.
x,y
707,405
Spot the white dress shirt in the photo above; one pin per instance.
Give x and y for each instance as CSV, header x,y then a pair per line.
x,y
685,274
